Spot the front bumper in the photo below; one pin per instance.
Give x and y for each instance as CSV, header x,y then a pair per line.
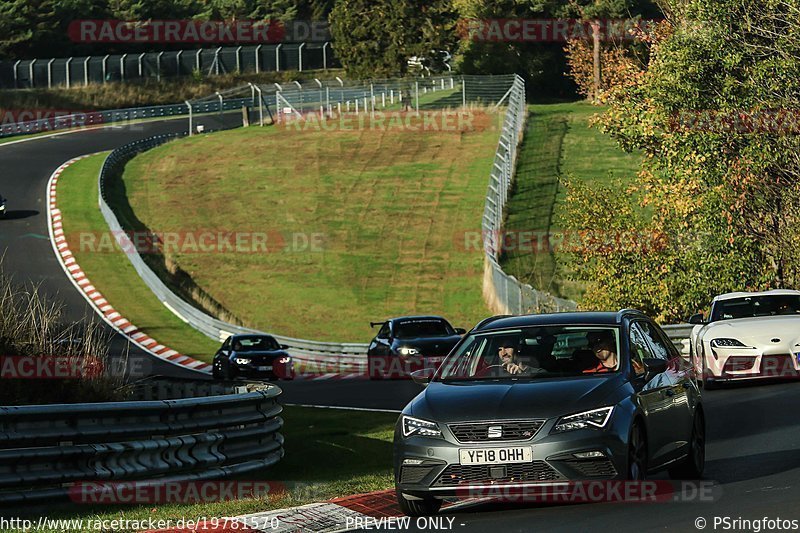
x,y
554,463
746,363
272,371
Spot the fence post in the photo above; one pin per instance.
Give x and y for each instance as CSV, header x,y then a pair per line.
x,y
258,58
416,88
30,68
67,71
325,55
239,59
158,65
86,70
50,73
278,57
463,92
197,60
189,105
300,57
122,67
178,63
105,67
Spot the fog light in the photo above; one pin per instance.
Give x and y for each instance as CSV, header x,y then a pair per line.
x,y
414,462
588,455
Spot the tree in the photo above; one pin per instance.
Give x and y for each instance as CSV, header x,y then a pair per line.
x,y
376,38
720,179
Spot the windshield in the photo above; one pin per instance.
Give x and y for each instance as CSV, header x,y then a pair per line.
x,y
753,306
255,344
410,329
534,353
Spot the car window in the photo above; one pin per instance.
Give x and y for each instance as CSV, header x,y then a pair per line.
x,y
409,329
383,333
256,343
657,345
534,353
227,344
640,349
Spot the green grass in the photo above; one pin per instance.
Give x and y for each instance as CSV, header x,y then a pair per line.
x,y
110,270
558,144
390,206
329,453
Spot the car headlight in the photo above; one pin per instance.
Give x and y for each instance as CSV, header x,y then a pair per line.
x,y
242,361
727,343
594,419
284,360
424,428
408,351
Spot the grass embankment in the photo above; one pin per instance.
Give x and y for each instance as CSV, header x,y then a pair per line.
x,y
558,144
110,270
361,225
329,453
118,95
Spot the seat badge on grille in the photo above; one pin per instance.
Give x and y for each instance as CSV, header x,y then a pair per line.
x,y
495,432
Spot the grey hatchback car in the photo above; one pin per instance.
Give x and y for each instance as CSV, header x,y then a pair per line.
x,y
544,400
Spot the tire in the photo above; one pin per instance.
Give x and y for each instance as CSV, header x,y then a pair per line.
x,y
423,507
692,467
637,454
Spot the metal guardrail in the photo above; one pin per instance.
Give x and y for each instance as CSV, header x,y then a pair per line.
x,y
94,118
348,356
506,294
45,450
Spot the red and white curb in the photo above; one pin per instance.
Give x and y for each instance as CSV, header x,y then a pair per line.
x,y
362,511
103,308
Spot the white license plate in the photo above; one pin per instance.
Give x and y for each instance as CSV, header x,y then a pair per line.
x,y
265,369
495,456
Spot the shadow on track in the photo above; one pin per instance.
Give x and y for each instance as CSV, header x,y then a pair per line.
x,y
20,214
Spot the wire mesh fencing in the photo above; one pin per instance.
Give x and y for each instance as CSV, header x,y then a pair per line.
x,y
505,294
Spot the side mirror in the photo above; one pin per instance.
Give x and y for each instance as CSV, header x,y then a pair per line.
x,y
284,347
653,367
423,376
696,319
460,331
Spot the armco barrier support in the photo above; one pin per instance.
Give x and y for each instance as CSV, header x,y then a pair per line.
x,y
46,449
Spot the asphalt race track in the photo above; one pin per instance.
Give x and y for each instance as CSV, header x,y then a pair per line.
x,y
25,168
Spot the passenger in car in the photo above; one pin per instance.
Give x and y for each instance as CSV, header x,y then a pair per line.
x,y
604,348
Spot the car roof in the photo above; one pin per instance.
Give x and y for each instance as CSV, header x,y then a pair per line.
x,y
605,318
416,317
773,292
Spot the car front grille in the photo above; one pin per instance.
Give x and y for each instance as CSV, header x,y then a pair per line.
x,y
414,474
508,430
593,468
455,475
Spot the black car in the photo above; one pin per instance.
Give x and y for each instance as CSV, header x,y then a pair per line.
x,y
252,356
529,402
409,343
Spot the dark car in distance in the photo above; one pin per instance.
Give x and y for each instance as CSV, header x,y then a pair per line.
x,y
254,357
408,343
537,401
